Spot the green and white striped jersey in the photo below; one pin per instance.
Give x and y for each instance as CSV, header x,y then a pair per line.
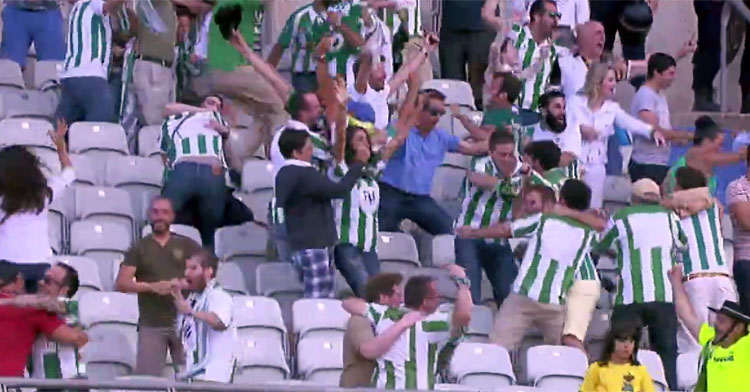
x,y
56,361
530,52
645,237
587,270
187,134
705,243
357,213
306,27
406,15
411,362
557,247
483,208
553,178
89,41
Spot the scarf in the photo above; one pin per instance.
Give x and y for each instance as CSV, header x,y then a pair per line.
x,y
194,334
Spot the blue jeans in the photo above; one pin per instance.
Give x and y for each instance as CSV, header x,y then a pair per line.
x,y
497,262
356,266
396,206
86,98
21,27
190,180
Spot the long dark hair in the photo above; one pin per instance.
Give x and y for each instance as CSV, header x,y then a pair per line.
x,y
621,331
23,187
349,151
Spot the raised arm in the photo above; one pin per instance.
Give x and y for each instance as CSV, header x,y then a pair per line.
x,y
489,15
69,336
463,303
472,148
478,132
58,139
282,88
500,230
351,37
682,303
429,44
406,120
319,185
591,219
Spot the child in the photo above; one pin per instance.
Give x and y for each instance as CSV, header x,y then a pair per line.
x,y
619,370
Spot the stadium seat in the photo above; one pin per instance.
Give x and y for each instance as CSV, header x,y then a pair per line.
x,y
103,242
397,253
258,203
108,355
46,74
88,273
447,186
99,141
28,103
726,226
319,360
453,387
318,317
257,176
260,317
141,177
11,76
482,366
260,361
141,378
279,280
183,230
480,325
443,251
31,132
458,127
229,276
148,141
106,314
456,160
653,364
105,205
244,245
616,192
455,91
60,214
556,367
687,370
521,388
85,172
446,287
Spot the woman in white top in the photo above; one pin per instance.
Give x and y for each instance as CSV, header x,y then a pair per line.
x,y
597,115
25,195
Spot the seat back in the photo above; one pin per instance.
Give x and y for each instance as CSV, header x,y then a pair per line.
x,y
455,91
148,141
88,271
481,365
86,174
313,315
30,132
47,74
28,103
559,365
687,370
653,364
108,307
231,279
397,252
105,205
443,251
183,230
319,360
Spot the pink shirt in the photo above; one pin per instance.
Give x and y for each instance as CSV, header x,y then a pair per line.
x,y
739,191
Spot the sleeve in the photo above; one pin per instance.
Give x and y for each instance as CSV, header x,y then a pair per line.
x,y
632,124
131,257
45,322
706,334
583,12
97,6
220,304
360,331
647,384
477,165
678,234
609,237
450,142
337,172
318,185
525,227
736,193
285,37
644,101
438,329
63,180
590,380
572,142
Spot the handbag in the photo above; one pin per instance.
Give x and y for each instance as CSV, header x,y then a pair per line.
x,y
637,17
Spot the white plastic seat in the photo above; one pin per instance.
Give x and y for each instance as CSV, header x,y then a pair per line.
x,y
148,141
103,242
141,177
31,132
183,230
257,175
98,140
319,317
105,204
446,188
653,364
28,103
480,326
88,273
556,367
46,74
397,252
617,189
443,250
11,75
144,379
482,366
230,277
244,245
319,360
455,91
108,355
260,361
280,281
85,172
107,313
261,318
59,216
258,202
687,370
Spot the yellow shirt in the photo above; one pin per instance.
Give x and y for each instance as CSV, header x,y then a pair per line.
x,y
617,378
727,368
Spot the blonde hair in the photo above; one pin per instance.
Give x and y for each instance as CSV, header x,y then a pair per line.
x,y
594,79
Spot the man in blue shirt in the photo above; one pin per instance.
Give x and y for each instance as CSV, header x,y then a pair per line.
x,y
407,179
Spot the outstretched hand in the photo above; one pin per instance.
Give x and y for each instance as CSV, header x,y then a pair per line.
x,y
58,135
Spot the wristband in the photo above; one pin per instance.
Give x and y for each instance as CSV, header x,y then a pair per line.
x,y
461,281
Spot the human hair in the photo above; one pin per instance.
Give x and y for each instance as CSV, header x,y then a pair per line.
x,y
537,8
659,62
292,140
594,79
218,96
207,258
430,94
23,187
297,103
416,290
547,98
576,194
71,279
624,329
381,284
349,151
511,86
547,194
689,178
705,129
500,136
546,152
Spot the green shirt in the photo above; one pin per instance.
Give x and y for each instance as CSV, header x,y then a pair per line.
x,y
221,55
499,118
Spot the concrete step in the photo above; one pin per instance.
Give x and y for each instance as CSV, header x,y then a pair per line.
x,y
733,121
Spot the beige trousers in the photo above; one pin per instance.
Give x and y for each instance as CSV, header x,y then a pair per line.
x,y
154,88
580,305
518,313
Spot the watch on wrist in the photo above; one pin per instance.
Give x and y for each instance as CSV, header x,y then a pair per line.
x,y
462,281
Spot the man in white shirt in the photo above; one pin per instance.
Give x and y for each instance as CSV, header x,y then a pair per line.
x,y
555,126
205,323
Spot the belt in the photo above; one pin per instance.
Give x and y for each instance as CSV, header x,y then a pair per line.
x,y
697,275
163,63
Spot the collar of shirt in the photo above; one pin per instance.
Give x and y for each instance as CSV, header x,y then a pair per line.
x,y
297,162
297,125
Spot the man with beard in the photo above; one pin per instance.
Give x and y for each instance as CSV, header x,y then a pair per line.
x,y
205,322
150,270
555,127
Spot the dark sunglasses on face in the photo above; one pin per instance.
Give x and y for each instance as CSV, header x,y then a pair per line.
x,y
435,112
556,15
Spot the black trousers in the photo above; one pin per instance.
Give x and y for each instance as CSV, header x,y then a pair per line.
x,y
707,58
661,320
741,272
608,13
461,48
641,170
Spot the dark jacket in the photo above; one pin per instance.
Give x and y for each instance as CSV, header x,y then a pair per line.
x,y
305,196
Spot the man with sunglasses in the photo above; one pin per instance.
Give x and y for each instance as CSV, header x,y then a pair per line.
x,y
407,179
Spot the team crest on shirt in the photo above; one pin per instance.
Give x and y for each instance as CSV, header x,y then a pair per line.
x,y
178,253
369,198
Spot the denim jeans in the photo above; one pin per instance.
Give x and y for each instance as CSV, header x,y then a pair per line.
x,y
396,206
196,181
741,271
21,27
356,266
495,259
76,103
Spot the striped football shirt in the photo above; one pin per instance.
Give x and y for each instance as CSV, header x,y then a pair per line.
x,y
89,41
645,238
553,178
187,134
530,52
557,247
406,16
357,213
52,360
705,243
587,270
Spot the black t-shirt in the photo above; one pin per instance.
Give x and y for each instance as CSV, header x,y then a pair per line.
x,y
463,15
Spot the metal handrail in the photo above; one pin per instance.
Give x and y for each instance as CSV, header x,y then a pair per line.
x,y
742,9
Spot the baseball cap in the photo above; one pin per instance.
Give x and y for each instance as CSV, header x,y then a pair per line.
x,y
362,111
646,189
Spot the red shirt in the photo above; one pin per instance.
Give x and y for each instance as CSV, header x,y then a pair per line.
x,y
20,326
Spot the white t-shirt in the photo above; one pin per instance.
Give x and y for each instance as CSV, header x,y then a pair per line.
x,y
378,100
24,237
568,140
645,151
90,47
572,74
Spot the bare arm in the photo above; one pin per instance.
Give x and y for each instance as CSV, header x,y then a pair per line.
x,y
211,319
489,11
354,306
651,118
429,44
682,303
406,120
69,336
741,213
500,230
126,283
363,75
463,303
275,56
267,71
476,148
176,108
587,218
58,139
482,180
478,132
375,348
